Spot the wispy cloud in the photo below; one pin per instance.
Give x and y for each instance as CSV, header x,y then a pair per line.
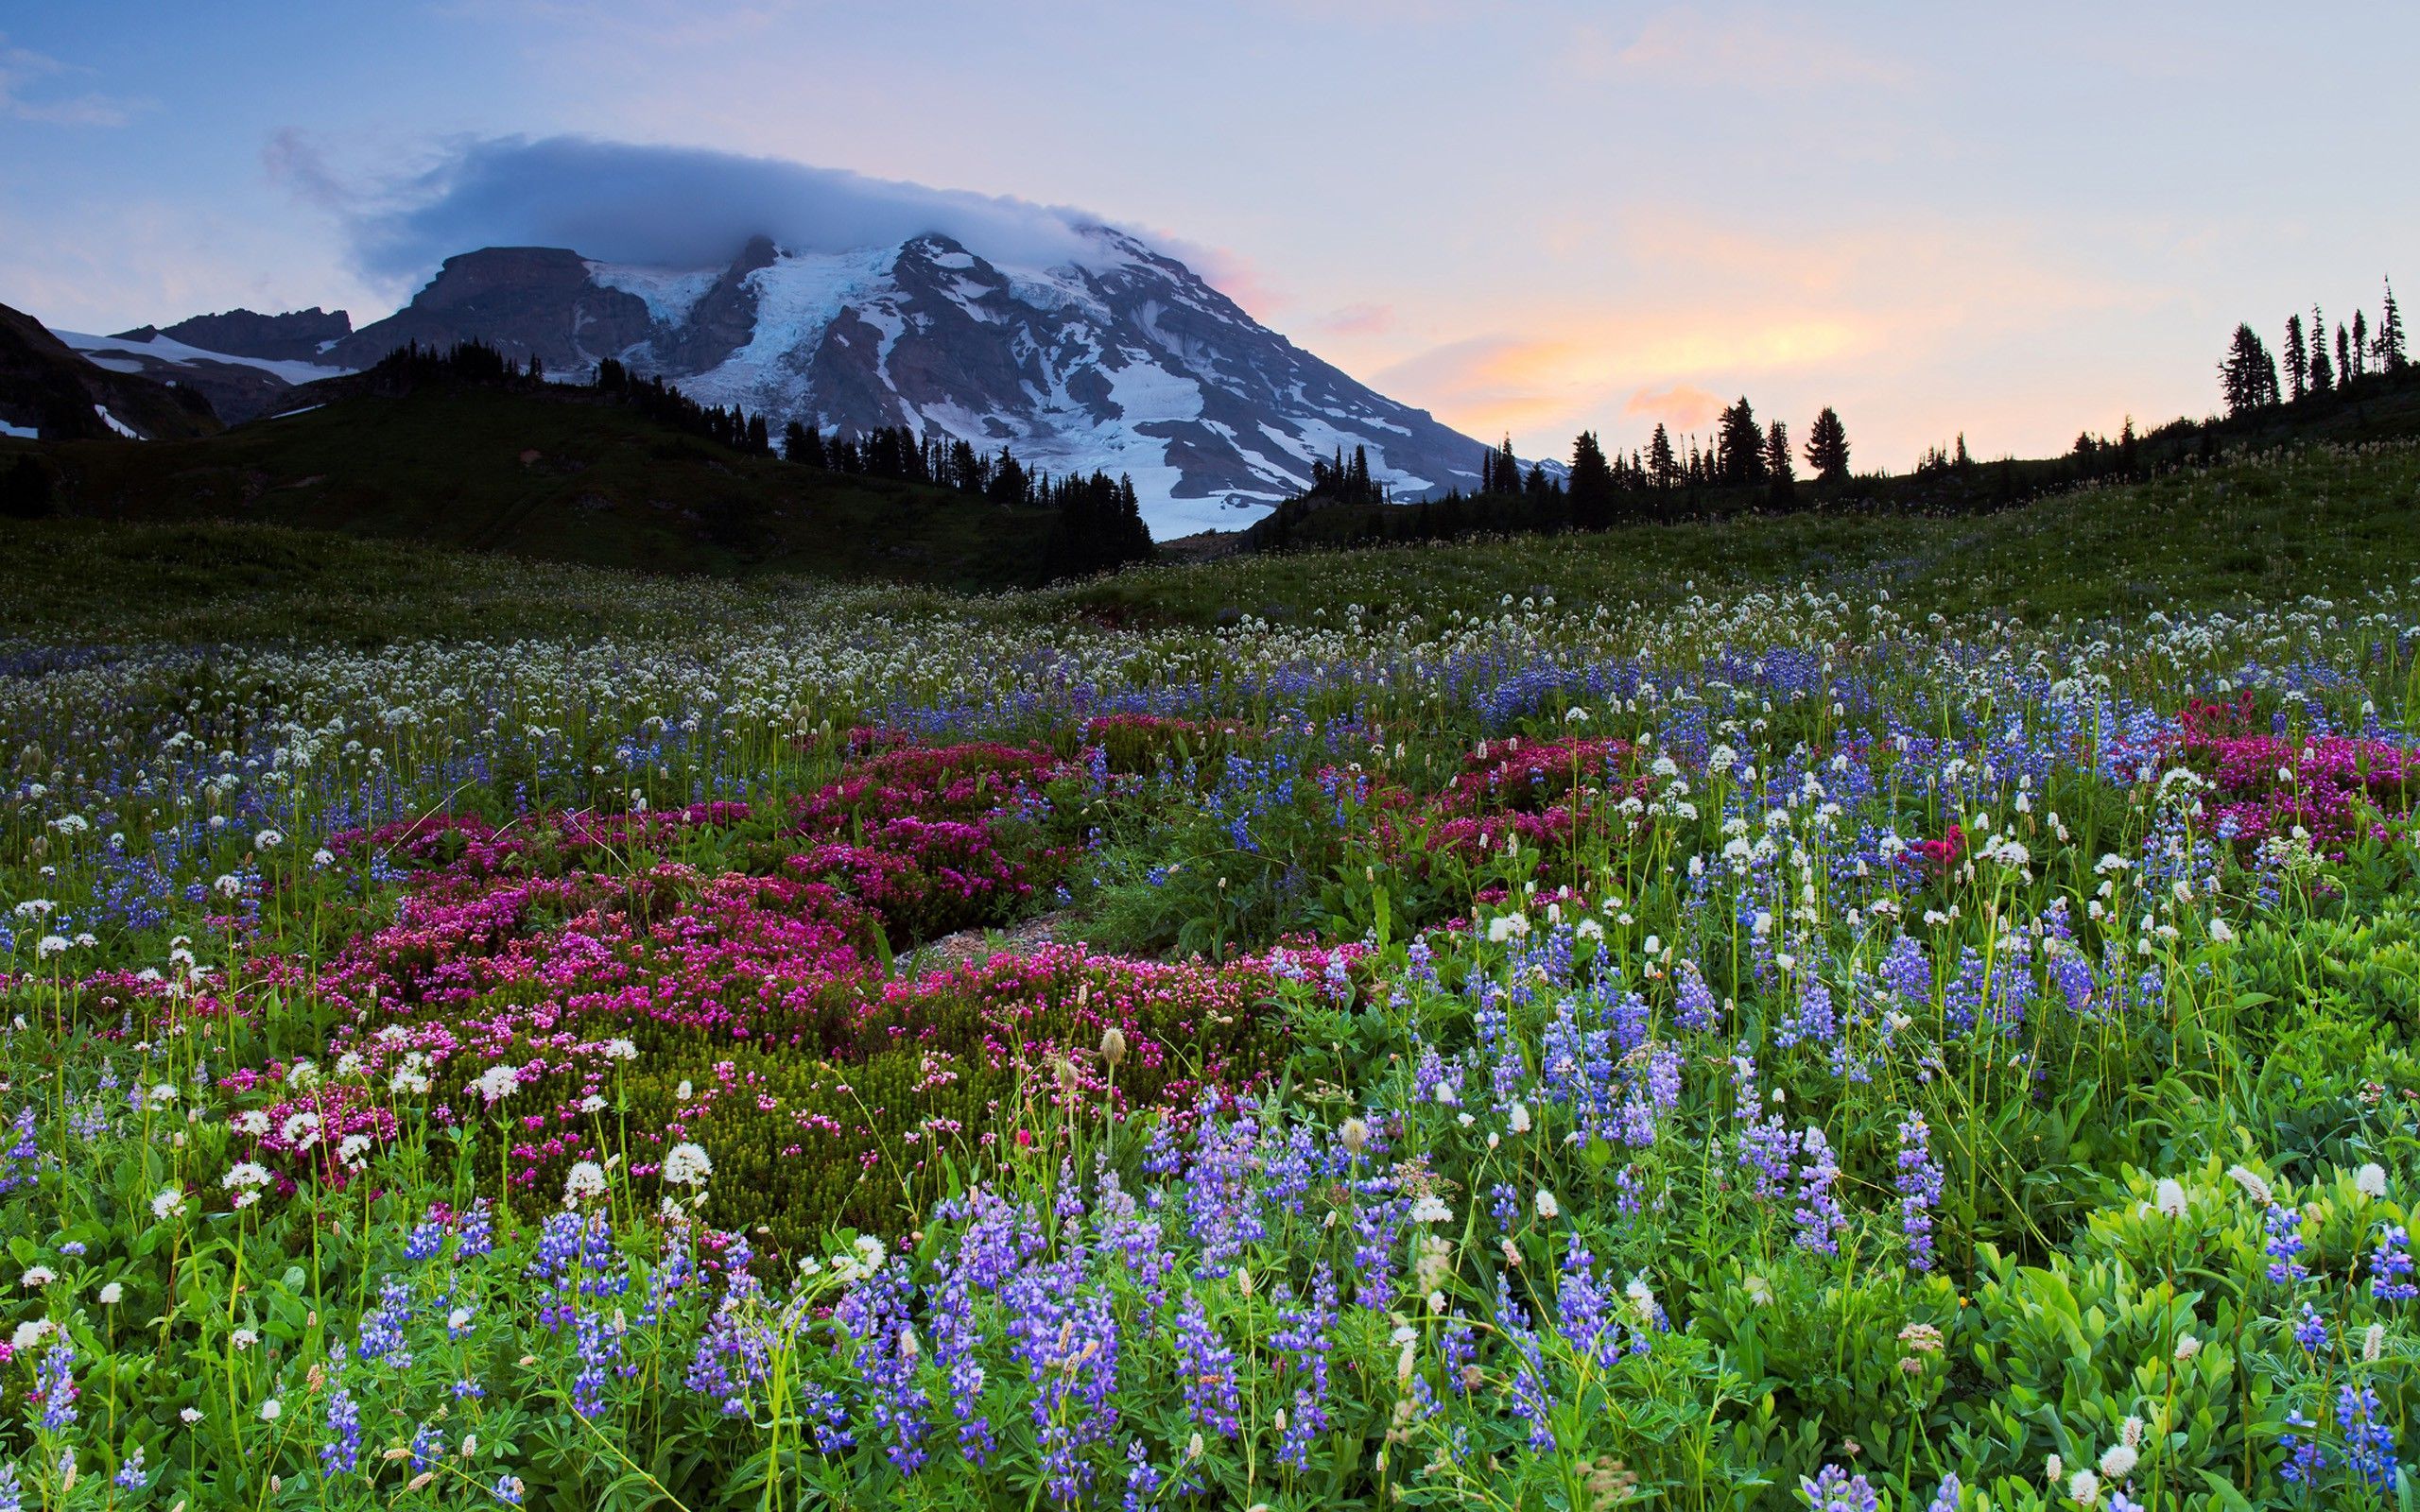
x,y
1687,45
1683,407
30,90
1358,321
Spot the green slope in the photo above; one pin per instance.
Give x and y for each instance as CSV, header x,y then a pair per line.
x,y
2266,529
563,476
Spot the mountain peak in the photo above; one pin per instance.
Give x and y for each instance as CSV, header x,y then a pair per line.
x,y
1121,359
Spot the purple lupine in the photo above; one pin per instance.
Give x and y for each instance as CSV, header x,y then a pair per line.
x,y
1920,1183
2310,1331
479,1231
1459,1346
2369,1444
2285,1244
873,1314
1820,1220
427,1447
2306,1457
1695,1001
382,1327
1817,1021
1765,1145
1531,1403
2390,1266
998,1237
1834,1490
1908,971
599,1345
1586,1314
27,1150
342,1450
427,1237
1377,1234
1222,1196
56,1392
1304,1337
1142,1477
1206,1371
1065,1334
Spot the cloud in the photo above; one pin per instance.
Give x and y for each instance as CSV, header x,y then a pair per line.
x,y
1683,407
1686,46
24,72
666,206
1359,321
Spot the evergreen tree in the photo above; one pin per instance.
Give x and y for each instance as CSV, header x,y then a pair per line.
x,y
1827,447
1662,466
2346,367
2297,357
1508,469
1781,477
2360,344
1592,484
1009,484
2249,376
1961,462
1742,443
2323,375
2390,357
1100,528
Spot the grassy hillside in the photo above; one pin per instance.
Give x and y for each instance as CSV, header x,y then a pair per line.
x,y
2248,531
2377,408
556,476
2258,528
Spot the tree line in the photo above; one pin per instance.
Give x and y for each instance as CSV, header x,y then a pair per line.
x,y
2248,374
1598,490
1096,519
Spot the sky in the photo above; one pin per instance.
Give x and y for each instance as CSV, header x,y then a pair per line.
x,y
2013,222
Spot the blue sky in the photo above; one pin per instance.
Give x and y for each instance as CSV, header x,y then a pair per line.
x,y
2012,221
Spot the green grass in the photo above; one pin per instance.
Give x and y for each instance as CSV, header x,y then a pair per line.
x,y
2250,530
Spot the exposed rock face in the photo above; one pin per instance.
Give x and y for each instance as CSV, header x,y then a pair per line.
x,y
1119,358
298,336
526,300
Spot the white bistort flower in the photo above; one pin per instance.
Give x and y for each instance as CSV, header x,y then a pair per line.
x,y
687,1166
583,1182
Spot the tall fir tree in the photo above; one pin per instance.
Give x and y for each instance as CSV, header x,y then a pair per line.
x,y
2389,337
2323,372
1742,446
2297,357
1781,475
1662,465
2346,366
1827,447
2248,377
1591,491
2360,344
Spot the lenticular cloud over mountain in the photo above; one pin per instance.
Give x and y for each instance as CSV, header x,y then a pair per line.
x,y
682,207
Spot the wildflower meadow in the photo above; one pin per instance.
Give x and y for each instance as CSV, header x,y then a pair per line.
x,y
1458,1042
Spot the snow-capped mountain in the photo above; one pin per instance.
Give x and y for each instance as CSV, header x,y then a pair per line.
x,y
1119,358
